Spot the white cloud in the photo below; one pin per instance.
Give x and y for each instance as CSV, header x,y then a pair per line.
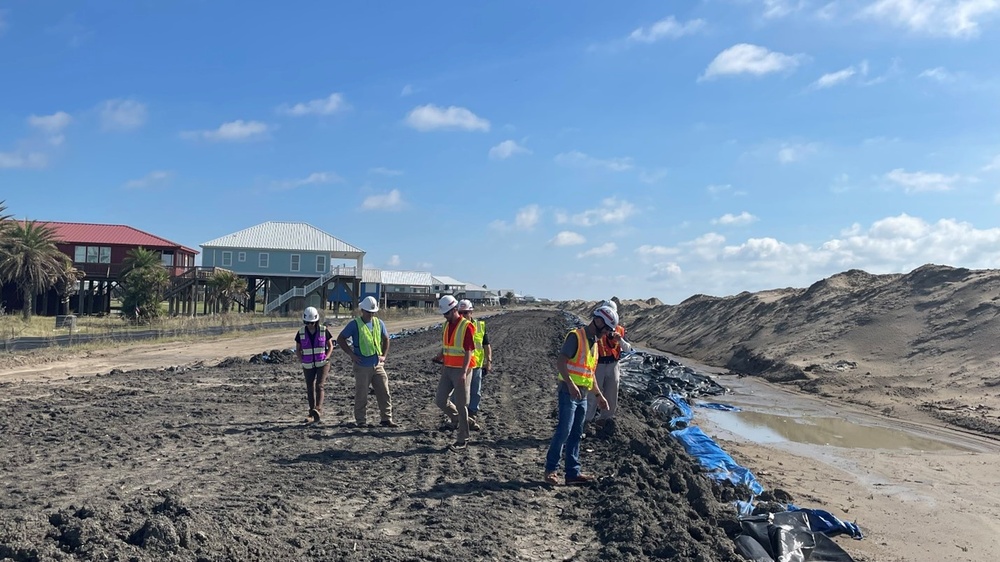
x,y
606,249
122,115
745,58
334,103
51,125
238,130
667,28
652,176
730,219
393,261
716,190
407,90
525,219
789,153
940,18
567,238
506,149
315,178
386,172
665,271
774,9
833,78
579,159
431,117
648,251
152,179
392,201
915,182
993,165
938,74
20,159
611,211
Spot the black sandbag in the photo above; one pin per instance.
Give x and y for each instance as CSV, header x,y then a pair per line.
x,y
752,550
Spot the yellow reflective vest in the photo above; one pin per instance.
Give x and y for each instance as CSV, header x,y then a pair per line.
x,y
582,365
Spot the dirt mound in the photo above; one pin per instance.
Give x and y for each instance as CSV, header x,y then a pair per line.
x,y
933,329
216,464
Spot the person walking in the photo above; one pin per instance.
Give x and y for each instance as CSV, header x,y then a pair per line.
x,y
576,363
607,376
457,357
482,363
313,346
368,349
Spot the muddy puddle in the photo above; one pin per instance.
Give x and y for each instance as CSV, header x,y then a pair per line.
x,y
767,428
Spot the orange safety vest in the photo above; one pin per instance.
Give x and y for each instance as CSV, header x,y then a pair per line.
x,y
606,349
454,349
582,365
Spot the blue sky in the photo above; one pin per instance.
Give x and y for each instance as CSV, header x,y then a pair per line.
x,y
561,149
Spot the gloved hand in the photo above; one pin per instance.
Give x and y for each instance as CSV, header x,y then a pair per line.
x,y
486,371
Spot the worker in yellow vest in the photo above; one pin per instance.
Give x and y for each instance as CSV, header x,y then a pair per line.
x,y
483,361
457,356
367,350
576,364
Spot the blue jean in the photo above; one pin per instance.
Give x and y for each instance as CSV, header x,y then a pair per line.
x,y
572,414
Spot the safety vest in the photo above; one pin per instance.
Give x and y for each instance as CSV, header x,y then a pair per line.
x,y
369,340
454,350
480,353
313,347
607,348
582,365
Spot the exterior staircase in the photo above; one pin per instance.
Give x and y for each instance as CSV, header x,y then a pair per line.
x,y
303,291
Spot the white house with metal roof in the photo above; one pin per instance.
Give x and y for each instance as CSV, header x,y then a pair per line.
x,y
481,295
288,260
444,285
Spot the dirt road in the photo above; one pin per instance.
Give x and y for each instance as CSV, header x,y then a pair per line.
x,y
205,462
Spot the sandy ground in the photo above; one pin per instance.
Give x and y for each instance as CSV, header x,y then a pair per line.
x,y
211,460
198,462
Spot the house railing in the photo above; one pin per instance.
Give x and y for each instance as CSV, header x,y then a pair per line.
x,y
338,271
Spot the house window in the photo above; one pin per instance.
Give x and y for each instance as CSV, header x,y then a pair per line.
x,y
320,264
242,257
92,254
227,259
295,262
262,260
167,259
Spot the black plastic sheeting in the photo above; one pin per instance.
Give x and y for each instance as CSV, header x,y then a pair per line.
x,y
648,373
786,537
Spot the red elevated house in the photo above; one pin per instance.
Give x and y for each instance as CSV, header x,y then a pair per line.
x,y
99,251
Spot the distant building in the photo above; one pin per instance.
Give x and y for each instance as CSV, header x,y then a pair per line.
x,y
444,285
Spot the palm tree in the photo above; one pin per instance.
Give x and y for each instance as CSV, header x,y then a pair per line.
x,y
30,259
227,287
139,258
68,279
4,224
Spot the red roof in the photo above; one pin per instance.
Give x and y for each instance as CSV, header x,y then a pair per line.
x,y
111,234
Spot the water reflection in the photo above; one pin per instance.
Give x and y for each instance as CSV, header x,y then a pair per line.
x,y
769,428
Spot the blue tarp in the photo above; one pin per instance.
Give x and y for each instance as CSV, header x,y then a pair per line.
x,y
825,522
675,408
718,406
719,464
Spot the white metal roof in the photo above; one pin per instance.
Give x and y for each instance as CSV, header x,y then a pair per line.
x,y
412,278
476,288
275,235
371,275
445,280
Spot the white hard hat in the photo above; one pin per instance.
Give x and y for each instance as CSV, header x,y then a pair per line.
x,y
447,303
609,316
464,305
310,314
369,304
610,303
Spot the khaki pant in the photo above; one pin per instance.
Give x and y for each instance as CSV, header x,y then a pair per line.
x,y
377,379
607,377
457,412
